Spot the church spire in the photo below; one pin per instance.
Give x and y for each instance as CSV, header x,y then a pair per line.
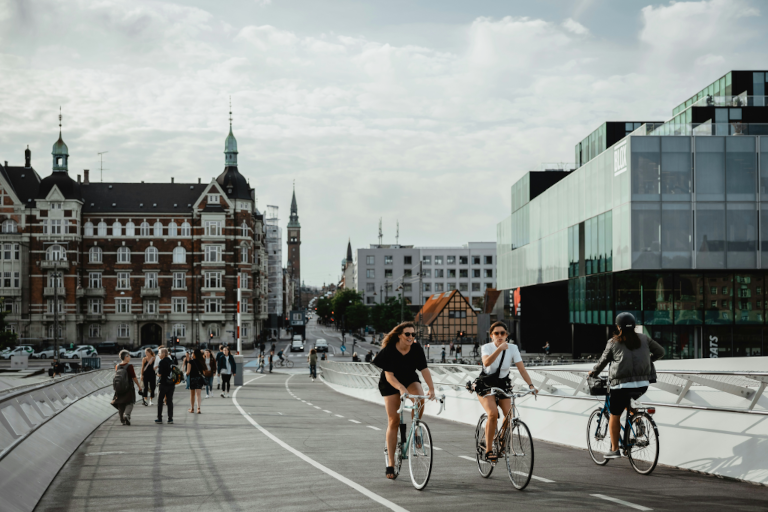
x,y
349,251
293,221
230,145
60,152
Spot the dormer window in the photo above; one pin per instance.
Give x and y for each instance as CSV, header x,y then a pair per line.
x,y
55,206
213,198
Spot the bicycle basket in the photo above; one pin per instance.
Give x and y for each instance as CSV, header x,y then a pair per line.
x,y
598,386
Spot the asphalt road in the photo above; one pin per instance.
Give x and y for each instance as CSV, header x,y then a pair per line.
x,y
286,443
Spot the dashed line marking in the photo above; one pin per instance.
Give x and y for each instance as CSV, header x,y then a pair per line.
x,y
468,458
540,479
354,421
374,428
620,502
316,407
103,453
338,415
329,412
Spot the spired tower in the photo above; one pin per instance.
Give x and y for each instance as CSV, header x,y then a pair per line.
x,y
294,239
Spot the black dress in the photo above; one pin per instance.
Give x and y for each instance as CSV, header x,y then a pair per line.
x,y
403,366
196,380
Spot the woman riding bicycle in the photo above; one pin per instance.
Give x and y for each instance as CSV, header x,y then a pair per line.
x,y
497,357
631,355
399,359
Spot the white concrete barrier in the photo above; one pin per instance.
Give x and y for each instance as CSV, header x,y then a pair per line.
x,y
694,431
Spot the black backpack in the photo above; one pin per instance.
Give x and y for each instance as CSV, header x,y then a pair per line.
x,y
121,383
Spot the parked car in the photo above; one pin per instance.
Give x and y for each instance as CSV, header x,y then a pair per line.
x,y
321,345
18,351
48,352
177,352
80,352
140,351
297,345
108,347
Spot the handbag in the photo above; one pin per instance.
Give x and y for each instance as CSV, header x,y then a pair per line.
x,y
485,381
598,386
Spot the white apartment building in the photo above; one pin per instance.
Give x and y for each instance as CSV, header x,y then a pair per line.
x,y
382,269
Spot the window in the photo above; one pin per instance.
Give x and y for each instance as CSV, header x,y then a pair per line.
x,y
463,273
212,253
426,260
213,280
438,287
215,330
451,260
144,229
11,251
370,260
16,280
369,300
51,306
213,198
102,228
179,330
130,229
244,281
463,260
451,286
87,229
488,272
387,272
123,255
150,280
52,227
407,260
151,255
213,306
243,307
439,272
117,229
123,331
179,282
9,226
407,287
244,254
489,260
186,229
213,228
370,287
245,330
150,307
16,248
370,273
94,255
55,206
244,229
475,287
475,260
427,273
94,331
463,287
452,272
179,255
438,260
55,253
488,285
7,280
476,272
427,287
388,287
50,331
122,305
172,229
179,304
158,229
123,280
57,281
94,280
387,260
407,272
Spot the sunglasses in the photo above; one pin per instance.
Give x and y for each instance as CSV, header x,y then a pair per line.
x,y
499,333
409,334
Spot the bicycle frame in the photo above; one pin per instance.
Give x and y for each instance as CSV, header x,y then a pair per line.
x,y
415,406
510,418
626,428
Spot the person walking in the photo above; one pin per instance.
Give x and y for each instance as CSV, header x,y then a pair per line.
x,y
452,349
219,355
209,371
271,357
261,363
631,354
187,356
476,348
458,352
369,356
148,378
226,370
442,355
194,370
166,387
312,360
125,395
355,359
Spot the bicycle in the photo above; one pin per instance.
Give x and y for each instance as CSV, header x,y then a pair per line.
x,y
285,362
513,439
419,457
639,441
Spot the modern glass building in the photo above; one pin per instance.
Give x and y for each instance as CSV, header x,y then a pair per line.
x,y
669,223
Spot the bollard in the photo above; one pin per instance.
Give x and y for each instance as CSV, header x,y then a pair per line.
x,y
239,367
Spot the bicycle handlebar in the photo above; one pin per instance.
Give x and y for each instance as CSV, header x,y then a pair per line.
x,y
499,391
440,398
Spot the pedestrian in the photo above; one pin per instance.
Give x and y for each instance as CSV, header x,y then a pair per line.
x,y
219,354
148,378
209,371
546,348
194,370
261,347
458,352
355,359
442,355
261,363
271,357
452,349
323,356
312,360
475,348
187,356
369,356
125,395
227,371
166,387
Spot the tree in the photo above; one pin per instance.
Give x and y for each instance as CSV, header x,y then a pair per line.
x,y
324,308
356,316
384,317
342,301
7,338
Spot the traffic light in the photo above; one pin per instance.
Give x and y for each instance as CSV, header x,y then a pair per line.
x,y
178,341
211,335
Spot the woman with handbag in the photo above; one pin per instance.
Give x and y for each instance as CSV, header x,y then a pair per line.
x,y
194,367
148,378
498,356
632,356
209,371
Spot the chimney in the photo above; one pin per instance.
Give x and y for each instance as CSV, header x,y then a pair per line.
x,y
171,179
78,179
199,180
27,157
85,177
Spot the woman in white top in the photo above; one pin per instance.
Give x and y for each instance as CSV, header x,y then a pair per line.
x,y
498,357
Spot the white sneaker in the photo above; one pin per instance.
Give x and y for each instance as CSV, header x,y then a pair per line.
x,y
150,403
222,395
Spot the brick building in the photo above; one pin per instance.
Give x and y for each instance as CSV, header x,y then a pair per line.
x,y
134,263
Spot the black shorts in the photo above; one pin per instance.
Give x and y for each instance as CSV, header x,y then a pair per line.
x,y
620,398
386,389
501,383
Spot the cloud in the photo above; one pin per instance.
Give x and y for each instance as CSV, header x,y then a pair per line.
x,y
575,27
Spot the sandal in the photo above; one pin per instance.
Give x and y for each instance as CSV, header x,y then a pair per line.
x,y
417,441
491,457
190,410
198,410
390,473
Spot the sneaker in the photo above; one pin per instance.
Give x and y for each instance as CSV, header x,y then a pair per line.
x,y
222,395
159,420
170,421
613,455
150,403
122,420
207,396
127,421
217,386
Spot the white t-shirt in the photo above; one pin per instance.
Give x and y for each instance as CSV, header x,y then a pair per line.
x,y
511,355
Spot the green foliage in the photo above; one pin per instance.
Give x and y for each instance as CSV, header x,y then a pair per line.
x,y
342,301
324,308
357,316
384,317
7,339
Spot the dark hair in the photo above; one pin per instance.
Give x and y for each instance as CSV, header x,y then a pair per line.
x,y
497,324
396,332
627,336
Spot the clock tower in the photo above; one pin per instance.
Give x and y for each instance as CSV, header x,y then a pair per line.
x,y
294,240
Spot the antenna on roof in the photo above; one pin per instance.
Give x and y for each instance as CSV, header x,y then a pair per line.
x,y
397,236
381,235
101,165
230,113
59,121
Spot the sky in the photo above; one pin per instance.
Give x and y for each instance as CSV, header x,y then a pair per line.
x,y
418,112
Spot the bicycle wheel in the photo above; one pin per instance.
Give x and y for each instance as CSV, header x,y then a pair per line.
x,y
420,458
485,467
598,440
644,443
288,363
518,451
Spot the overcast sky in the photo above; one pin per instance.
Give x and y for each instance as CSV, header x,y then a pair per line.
x,y
424,112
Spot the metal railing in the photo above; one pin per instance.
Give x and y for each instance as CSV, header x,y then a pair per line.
x,y
23,411
748,387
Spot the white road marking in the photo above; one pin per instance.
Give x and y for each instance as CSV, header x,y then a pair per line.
x,y
468,458
620,502
354,421
103,453
338,415
280,413
436,448
540,479
329,412
316,407
374,428
359,488
308,403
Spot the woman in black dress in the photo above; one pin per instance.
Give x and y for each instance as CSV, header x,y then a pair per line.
x,y
194,369
399,359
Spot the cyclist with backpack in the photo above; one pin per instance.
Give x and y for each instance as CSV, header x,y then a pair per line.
x,y
125,395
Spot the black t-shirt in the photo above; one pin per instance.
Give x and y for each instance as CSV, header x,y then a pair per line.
x,y
164,369
403,366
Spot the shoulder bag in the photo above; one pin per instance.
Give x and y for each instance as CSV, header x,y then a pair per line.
x,y
485,381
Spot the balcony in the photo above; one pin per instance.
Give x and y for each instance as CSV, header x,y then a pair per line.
x,y
94,317
10,292
150,292
49,317
48,291
150,317
212,291
213,317
95,292
54,264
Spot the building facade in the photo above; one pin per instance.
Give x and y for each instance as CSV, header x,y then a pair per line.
x,y
134,263
667,223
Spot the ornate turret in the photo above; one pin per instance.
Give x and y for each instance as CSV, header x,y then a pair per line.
x,y
293,221
233,183
230,145
60,152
